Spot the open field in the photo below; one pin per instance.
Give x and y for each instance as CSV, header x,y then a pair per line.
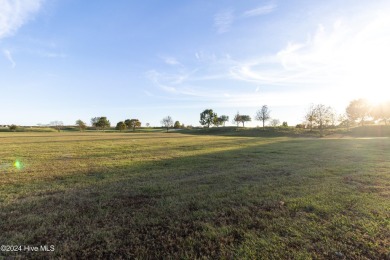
x,y
138,195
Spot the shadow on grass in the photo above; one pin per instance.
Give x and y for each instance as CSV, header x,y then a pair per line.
x,y
371,131
284,199
88,137
267,132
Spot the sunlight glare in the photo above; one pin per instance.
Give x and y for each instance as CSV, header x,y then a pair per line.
x,y
18,165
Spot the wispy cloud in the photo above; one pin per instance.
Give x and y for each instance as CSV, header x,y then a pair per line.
x,y
344,58
223,21
347,57
262,10
9,57
15,13
157,79
171,61
53,55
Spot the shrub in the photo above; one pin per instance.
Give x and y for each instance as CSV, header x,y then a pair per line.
x,y
13,128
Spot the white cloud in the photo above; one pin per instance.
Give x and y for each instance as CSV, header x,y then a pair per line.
x,y
171,61
198,56
157,79
262,10
339,61
223,21
15,13
9,57
53,55
201,56
348,57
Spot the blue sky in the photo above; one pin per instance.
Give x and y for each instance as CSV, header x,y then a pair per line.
x,y
69,59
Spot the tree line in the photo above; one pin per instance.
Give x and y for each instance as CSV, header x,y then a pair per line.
x,y
208,117
319,116
358,111
102,123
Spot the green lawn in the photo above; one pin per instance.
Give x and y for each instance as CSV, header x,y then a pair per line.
x,y
159,195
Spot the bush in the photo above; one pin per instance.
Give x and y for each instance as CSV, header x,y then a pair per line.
x,y
13,128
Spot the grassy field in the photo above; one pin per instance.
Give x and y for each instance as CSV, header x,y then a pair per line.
x,y
161,195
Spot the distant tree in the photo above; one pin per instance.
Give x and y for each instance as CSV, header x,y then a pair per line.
x,y
132,123
358,110
182,126
300,126
167,122
284,124
177,125
245,118
217,121
223,119
128,123
332,118
82,125
101,122
57,125
382,112
237,118
263,114
310,116
207,117
13,128
344,121
274,122
120,126
322,116
147,125
94,121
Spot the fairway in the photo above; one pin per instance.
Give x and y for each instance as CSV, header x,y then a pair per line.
x,y
160,195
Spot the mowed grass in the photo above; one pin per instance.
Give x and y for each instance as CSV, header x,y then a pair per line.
x,y
172,195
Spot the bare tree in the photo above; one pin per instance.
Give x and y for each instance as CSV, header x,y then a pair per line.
x,y
344,121
263,114
274,122
322,116
167,122
310,116
57,125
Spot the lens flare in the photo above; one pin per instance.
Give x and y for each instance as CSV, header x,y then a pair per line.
x,y
18,164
